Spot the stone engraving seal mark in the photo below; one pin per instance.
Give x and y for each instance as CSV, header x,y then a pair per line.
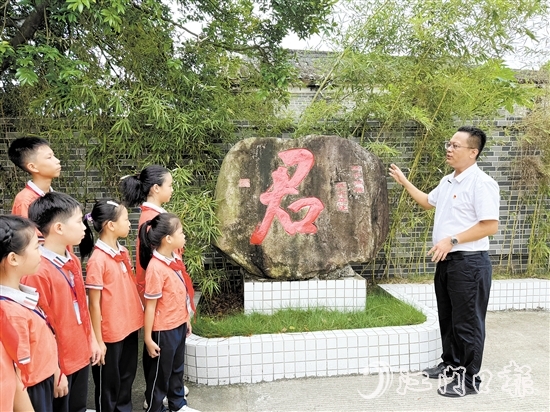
x,y
358,182
282,186
244,182
341,196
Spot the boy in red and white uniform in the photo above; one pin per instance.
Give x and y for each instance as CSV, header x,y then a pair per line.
x,y
34,156
24,329
60,285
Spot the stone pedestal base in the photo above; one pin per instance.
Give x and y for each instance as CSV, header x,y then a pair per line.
x,y
346,295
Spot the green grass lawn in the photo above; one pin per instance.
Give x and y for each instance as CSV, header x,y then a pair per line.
x,y
382,309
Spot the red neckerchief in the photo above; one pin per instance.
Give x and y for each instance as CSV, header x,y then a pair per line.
x,y
143,208
124,258
80,293
179,265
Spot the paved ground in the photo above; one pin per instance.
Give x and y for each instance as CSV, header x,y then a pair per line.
x,y
516,361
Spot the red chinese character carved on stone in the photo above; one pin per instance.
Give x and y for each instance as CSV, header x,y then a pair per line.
x,y
282,186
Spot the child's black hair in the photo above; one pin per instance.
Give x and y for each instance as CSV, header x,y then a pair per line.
x,y
21,149
103,211
135,188
15,235
152,232
52,207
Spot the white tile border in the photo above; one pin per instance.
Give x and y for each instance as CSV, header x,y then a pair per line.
x,y
517,294
264,358
347,294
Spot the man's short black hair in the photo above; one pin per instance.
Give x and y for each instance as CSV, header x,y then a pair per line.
x,y
477,138
23,148
50,208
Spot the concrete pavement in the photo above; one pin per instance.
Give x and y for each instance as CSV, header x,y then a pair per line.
x,y
516,362
516,378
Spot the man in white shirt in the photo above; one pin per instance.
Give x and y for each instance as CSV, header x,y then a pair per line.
x,y
467,213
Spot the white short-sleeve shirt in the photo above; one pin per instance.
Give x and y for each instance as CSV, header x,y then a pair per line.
x,y
461,202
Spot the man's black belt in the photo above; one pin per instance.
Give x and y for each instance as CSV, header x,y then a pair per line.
x,y
462,254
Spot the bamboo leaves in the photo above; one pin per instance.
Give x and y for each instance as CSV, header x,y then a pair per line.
x,y
422,65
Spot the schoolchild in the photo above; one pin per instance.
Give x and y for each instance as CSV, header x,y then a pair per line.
x,y
115,306
169,302
62,295
149,189
13,396
36,349
34,156
8,376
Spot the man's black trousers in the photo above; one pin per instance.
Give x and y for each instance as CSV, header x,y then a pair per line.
x,y
462,285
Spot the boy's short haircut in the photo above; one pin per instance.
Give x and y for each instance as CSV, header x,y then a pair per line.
x,y
50,208
23,148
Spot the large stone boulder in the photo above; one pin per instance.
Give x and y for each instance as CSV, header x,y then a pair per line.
x,y
295,209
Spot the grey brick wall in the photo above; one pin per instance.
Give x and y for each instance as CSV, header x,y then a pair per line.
x,y
508,247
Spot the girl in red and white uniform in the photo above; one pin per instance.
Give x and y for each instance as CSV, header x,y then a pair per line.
x,y
114,304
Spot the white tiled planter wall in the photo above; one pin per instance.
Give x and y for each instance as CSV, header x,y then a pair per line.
x,y
251,359
343,294
517,294
520,294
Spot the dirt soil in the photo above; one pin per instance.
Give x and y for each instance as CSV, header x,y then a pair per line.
x,y
227,302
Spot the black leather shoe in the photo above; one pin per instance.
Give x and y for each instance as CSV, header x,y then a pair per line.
x,y
433,373
454,389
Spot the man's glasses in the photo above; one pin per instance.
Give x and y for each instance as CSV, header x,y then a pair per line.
x,y
454,146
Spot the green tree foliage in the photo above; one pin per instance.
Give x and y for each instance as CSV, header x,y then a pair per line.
x,y
428,65
152,81
137,82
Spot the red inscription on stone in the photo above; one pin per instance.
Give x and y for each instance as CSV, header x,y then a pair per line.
x,y
244,182
358,182
341,196
282,186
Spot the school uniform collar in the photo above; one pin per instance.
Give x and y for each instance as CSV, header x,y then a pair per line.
x,y
470,170
36,189
154,207
53,257
26,296
165,259
101,245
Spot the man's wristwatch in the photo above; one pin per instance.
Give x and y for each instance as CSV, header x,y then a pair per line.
x,y
454,241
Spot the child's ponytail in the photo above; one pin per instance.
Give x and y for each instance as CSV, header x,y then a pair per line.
x,y
145,246
102,212
87,243
132,191
135,188
151,234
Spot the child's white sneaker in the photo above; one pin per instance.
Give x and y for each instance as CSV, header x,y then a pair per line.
x,y
187,408
164,402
